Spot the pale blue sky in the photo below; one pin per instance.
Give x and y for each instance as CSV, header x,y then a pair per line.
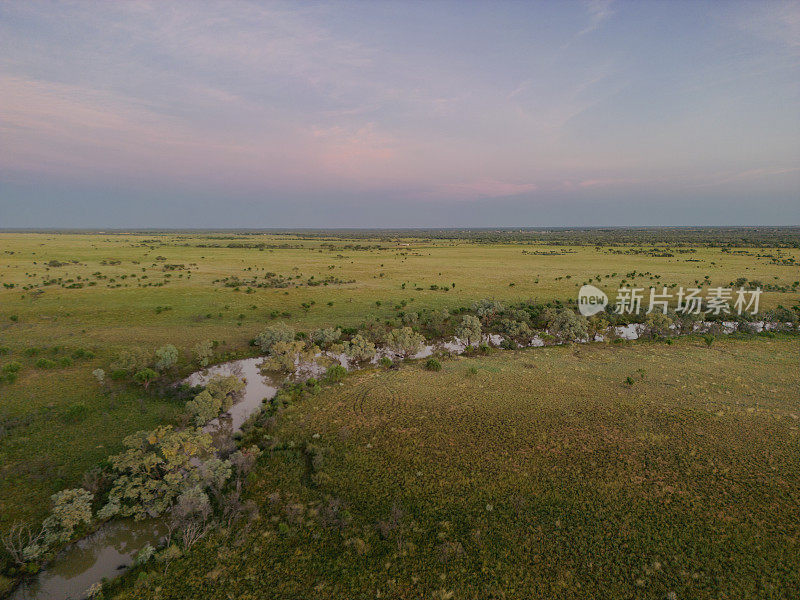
x,y
397,114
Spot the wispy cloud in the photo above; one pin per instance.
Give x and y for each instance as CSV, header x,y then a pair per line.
x,y
599,11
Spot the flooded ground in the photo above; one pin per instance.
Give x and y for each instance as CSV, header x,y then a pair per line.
x,y
106,553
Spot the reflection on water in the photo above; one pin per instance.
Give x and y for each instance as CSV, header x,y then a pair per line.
x,y
102,554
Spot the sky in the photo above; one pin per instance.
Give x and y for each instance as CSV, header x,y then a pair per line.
x,y
399,114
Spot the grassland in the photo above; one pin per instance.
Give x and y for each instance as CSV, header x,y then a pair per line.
x,y
105,292
533,474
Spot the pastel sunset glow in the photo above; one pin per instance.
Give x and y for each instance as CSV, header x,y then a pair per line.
x,y
384,114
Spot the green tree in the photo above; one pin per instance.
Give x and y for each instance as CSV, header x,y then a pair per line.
x,y
156,467
404,341
566,325
145,377
166,358
469,330
359,349
203,352
280,332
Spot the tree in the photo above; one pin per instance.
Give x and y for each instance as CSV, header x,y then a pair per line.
x,y
204,407
166,357
284,356
227,388
203,352
145,377
487,308
469,330
360,349
280,332
566,325
516,330
131,361
156,467
70,509
404,341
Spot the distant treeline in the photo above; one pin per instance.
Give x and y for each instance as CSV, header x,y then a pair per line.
x,y
762,236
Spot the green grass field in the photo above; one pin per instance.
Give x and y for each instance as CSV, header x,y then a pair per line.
x,y
531,474
99,294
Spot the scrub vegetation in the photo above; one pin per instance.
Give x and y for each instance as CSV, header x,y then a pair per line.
x,y
95,329
541,476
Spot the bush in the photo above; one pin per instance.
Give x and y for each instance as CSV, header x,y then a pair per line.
x,y
433,365
99,375
325,337
708,339
472,371
567,325
404,341
76,413
82,353
203,352
385,362
4,350
335,374
166,357
45,363
359,349
280,332
12,367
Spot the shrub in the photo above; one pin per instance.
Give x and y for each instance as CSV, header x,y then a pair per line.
x,y
472,371
280,332
708,339
166,357
45,363
4,350
657,324
76,413
433,365
385,361
99,375
12,367
335,374
82,353
325,337
65,361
